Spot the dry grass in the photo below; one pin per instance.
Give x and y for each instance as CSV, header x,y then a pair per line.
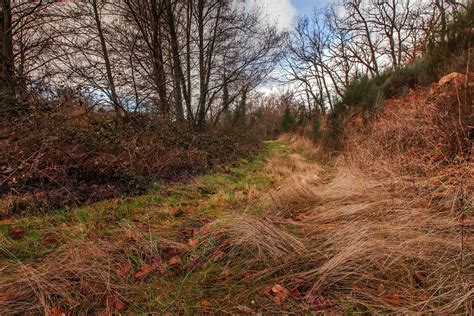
x,y
299,178
264,243
85,276
82,275
392,230
372,246
301,145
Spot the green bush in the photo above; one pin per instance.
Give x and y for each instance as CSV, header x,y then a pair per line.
x,y
315,129
288,121
420,73
362,95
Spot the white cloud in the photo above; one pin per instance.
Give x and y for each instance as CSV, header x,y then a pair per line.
x,y
280,12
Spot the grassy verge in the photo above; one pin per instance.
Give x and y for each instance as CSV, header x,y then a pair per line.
x,y
165,222
282,232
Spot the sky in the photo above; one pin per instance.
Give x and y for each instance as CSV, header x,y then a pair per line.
x,y
283,12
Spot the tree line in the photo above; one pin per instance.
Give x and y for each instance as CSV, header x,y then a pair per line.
x,y
188,63
332,47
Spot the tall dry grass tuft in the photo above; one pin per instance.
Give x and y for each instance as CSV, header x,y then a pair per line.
x,y
258,239
82,275
302,145
299,178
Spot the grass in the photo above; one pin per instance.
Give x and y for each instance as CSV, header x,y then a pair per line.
x,y
279,233
172,212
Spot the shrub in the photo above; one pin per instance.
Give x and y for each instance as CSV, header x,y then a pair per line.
x,y
288,121
49,160
315,129
362,93
420,73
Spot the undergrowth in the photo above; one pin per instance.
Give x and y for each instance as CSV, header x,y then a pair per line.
x,y
52,159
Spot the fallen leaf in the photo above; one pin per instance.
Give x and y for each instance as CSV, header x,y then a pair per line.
x,y
119,305
205,303
144,272
174,261
279,293
277,288
17,232
393,298
56,311
423,297
295,293
49,240
116,304
192,242
125,269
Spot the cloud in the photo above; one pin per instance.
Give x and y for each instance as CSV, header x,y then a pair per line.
x,y
280,12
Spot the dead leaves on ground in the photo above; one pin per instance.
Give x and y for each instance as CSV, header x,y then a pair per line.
x,y
17,232
125,269
192,242
147,269
174,261
205,304
278,293
114,303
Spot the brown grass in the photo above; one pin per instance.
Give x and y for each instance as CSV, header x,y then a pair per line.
x,y
86,276
372,246
392,229
302,145
81,275
299,178
240,235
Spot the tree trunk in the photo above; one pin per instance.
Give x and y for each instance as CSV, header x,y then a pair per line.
x,y
7,74
202,69
179,79
110,79
158,60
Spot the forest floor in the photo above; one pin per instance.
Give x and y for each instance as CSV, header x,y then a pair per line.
x,y
232,241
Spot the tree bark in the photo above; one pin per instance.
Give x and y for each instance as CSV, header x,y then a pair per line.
x,y
110,78
7,71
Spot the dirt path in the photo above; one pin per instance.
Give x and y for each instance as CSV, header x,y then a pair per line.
x,y
280,233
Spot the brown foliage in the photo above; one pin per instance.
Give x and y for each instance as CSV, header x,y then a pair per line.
x,y
49,160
